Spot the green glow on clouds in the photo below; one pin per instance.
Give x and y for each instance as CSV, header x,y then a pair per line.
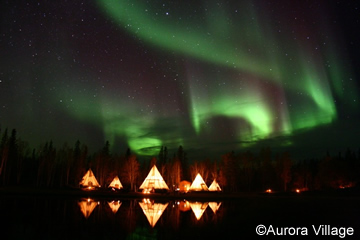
x,y
218,43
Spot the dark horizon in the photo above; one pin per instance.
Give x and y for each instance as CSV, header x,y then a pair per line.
x,y
62,167
303,146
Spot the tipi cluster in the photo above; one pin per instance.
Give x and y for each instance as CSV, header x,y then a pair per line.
x,y
153,181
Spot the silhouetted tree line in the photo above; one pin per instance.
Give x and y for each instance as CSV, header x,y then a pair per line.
x,y
50,167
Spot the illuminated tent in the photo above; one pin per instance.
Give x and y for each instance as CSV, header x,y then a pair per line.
x,y
87,207
89,181
116,183
153,181
214,186
198,184
214,206
184,186
198,208
114,205
152,211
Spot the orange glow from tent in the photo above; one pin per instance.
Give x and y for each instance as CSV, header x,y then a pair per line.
x,y
146,191
198,184
297,190
214,186
114,205
184,186
268,190
214,206
198,208
152,210
87,207
89,181
153,181
184,206
346,186
115,184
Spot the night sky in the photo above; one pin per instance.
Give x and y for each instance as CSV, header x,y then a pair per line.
x,y
212,76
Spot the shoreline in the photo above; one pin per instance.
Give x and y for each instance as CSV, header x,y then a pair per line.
x,y
201,196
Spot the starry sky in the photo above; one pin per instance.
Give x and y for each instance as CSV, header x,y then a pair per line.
x,y
212,76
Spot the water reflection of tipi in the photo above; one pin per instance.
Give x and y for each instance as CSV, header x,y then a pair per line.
x,y
152,211
87,207
114,205
184,206
198,208
214,206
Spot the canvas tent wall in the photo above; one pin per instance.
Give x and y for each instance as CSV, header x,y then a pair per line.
x,y
116,183
198,184
214,186
153,181
89,180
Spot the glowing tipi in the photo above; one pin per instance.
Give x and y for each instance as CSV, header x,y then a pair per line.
x,y
152,211
116,183
198,184
214,186
89,181
153,181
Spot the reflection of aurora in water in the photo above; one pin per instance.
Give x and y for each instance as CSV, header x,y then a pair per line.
x,y
200,74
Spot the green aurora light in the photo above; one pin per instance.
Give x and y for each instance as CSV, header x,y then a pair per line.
x,y
251,53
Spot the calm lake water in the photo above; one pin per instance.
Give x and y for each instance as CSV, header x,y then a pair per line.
x,y
25,217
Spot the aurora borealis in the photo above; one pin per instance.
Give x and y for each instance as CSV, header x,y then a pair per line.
x,y
212,76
